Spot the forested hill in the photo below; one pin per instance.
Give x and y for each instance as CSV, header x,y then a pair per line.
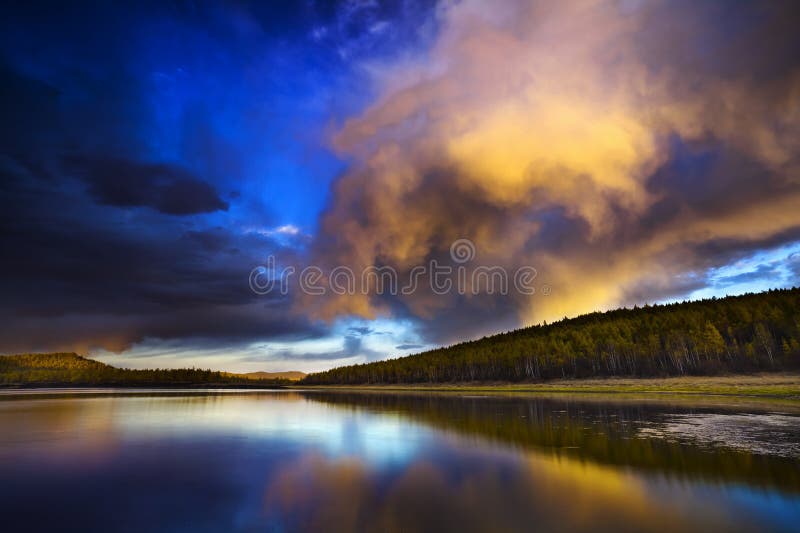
x,y
753,332
54,369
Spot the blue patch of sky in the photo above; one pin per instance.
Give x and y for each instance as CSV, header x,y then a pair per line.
x,y
766,269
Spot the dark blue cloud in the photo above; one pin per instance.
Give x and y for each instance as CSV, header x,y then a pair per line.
x,y
146,151
166,188
761,272
408,346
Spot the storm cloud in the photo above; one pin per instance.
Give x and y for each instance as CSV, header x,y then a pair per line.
x,y
620,148
166,188
152,155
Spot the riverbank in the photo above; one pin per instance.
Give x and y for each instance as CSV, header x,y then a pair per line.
x,y
779,385
255,385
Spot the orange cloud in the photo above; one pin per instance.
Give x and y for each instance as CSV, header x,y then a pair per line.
x,y
544,133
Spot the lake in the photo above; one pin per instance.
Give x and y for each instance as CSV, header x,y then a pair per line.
x,y
336,461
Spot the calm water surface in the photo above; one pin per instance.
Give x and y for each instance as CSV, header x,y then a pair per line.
x,y
329,461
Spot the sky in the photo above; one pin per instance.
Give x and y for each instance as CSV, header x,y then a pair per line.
x,y
156,156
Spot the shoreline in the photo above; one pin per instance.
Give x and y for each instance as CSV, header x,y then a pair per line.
x,y
128,386
785,386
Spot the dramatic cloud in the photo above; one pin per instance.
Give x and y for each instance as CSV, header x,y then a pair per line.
x,y
620,148
151,155
165,188
69,285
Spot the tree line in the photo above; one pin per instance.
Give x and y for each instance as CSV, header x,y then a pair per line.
x,y
72,369
752,332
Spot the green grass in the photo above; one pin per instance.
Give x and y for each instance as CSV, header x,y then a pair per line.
x,y
784,386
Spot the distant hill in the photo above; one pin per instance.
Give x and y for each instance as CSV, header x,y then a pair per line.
x,y
753,332
70,369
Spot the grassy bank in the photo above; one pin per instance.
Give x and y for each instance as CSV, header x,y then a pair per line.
x,y
772,385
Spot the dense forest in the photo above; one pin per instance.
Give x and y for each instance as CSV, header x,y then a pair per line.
x,y
753,332
55,369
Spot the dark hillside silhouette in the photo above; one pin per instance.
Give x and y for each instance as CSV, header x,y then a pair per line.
x,y
60,369
753,332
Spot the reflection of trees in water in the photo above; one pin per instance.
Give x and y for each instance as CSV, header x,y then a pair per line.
x,y
605,433
468,494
